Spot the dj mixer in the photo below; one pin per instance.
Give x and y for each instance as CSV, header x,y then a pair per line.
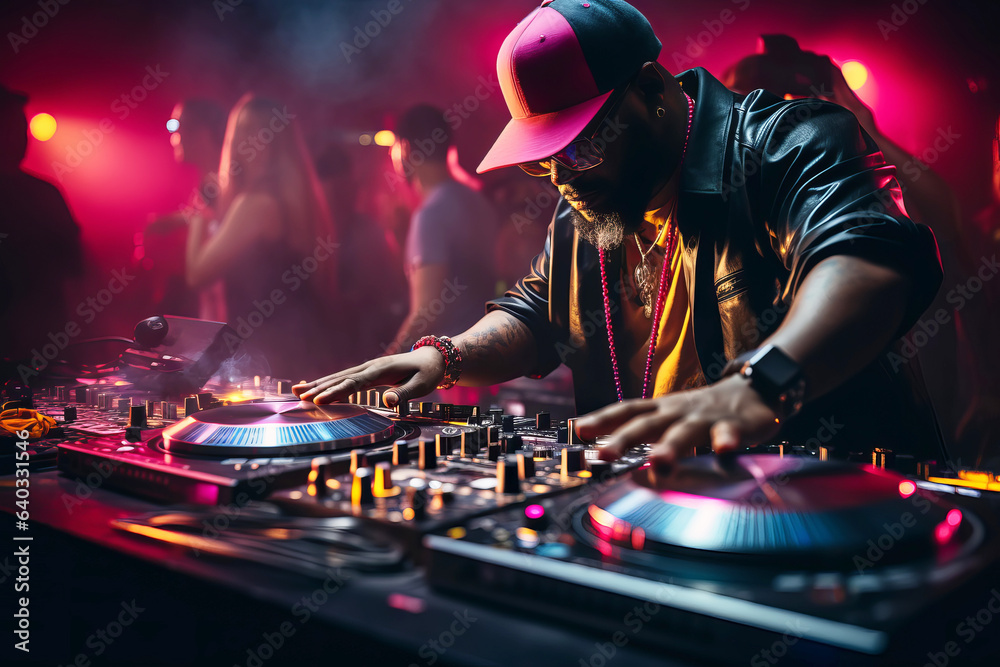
x,y
831,561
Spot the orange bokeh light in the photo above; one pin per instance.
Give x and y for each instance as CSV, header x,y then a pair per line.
x,y
855,73
42,126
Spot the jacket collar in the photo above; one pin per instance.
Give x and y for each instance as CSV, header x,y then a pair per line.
x,y
704,164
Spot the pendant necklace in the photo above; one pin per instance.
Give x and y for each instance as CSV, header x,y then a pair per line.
x,y
666,276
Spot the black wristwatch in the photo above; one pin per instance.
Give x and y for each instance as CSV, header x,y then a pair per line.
x,y
777,378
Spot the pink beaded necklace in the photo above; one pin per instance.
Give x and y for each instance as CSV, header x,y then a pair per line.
x,y
666,278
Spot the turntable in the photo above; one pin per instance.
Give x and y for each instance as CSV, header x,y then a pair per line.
x,y
830,562
234,453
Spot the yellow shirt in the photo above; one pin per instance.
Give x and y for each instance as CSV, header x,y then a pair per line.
x,y
675,360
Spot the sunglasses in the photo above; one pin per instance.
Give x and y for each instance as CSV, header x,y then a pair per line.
x,y
582,153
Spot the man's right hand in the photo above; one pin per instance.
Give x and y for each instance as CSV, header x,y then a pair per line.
x,y
412,374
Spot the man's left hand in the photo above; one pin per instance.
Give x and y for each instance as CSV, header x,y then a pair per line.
x,y
728,414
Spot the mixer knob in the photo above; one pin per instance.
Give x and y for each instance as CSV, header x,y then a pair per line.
x,y
284,387
204,400
190,405
425,408
600,470
123,405
400,452
418,499
443,410
493,452
358,460
150,408
507,480
470,443
374,398
493,435
496,415
512,443
574,459
137,415
69,414
574,439
883,458
525,464
446,443
507,421
543,420
318,474
361,488
428,454
168,409
133,433
383,480
403,408
562,435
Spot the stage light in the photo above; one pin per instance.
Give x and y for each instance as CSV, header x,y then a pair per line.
x,y
385,138
173,125
855,73
43,126
365,140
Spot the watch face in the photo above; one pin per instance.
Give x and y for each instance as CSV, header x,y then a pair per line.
x,y
777,378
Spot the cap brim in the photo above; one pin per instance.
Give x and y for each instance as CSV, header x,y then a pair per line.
x,y
538,137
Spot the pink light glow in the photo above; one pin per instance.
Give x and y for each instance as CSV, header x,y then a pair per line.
x,y
907,488
534,511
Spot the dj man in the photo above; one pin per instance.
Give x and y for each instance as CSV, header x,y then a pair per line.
x,y
720,270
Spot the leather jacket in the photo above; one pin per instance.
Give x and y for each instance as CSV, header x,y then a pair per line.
x,y
768,189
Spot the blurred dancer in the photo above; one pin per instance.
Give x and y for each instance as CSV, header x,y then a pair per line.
x,y
197,141
276,249
40,249
786,70
449,247
370,271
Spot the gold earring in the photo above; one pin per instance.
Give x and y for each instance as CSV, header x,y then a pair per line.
x,y
660,112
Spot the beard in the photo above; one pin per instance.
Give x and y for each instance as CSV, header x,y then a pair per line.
x,y
604,230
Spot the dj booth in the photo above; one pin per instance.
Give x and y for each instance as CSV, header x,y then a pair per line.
x,y
237,526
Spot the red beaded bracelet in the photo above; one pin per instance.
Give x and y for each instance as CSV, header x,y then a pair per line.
x,y
452,358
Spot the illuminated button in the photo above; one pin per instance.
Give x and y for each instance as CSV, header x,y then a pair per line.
x,y
446,443
384,485
361,488
574,459
428,455
400,452
525,463
507,481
